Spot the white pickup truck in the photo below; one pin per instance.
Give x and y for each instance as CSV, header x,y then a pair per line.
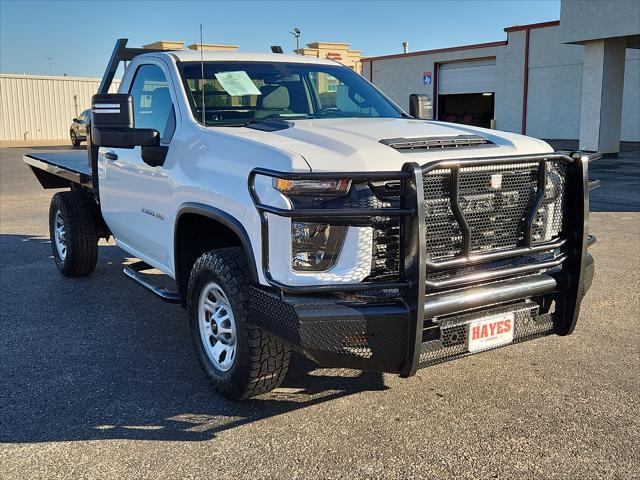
x,y
292,205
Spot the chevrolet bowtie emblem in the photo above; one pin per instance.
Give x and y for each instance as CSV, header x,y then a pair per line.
x,y
496,181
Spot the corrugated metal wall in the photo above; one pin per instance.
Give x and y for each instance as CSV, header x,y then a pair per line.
x,y
41,107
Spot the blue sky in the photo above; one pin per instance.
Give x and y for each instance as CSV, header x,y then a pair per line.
x,y
79,36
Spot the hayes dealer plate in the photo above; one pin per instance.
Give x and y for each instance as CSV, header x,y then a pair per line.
x,y
490,332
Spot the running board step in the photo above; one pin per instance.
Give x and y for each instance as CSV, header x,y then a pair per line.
x,y
135,272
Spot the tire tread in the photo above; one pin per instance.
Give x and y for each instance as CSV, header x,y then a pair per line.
x,y
267,359
82,235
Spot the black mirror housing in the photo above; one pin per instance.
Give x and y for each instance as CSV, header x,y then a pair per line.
x,y
112,123
112,110
124,137
420,106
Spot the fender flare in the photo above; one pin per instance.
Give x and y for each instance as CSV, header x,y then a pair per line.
x,y
228,221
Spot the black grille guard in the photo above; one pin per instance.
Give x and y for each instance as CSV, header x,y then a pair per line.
x,y
565,283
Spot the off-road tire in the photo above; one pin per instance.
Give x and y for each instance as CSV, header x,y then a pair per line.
x,y
261,360
80,221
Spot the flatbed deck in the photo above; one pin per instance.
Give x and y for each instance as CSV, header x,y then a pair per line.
x,y
58,169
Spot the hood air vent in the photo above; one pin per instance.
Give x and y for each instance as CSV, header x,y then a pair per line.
x,y
436,143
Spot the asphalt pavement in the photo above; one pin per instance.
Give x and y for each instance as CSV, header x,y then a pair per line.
x,y
98,379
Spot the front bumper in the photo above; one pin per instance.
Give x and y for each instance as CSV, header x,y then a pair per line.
x,y
374,334
399,325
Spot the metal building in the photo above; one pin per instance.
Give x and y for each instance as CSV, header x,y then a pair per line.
x,y
577,78
42,107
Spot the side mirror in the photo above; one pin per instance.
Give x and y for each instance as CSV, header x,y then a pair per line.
x,y
112,123
75,120
420,106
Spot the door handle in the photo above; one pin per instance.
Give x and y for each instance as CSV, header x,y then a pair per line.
x,y
110,156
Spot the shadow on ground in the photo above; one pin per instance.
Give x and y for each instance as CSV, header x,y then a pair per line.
x,y
101,358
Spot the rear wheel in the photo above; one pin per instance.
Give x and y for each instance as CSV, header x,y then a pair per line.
x,y
75,141
73,232
239,358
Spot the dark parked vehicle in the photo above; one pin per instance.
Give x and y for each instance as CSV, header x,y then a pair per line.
x,y
78,131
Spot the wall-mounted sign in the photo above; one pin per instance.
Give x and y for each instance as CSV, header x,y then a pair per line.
x,y
334,56
426,78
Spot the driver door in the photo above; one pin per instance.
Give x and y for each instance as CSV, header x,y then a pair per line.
x,y
135,196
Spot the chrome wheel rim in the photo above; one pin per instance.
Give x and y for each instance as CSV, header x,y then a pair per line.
x,y
217,326
60,236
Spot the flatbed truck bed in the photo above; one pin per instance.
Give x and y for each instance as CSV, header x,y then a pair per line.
x,y
61,168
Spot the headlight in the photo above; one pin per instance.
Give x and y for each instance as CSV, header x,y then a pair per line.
x,y
312,187
315,246
548,222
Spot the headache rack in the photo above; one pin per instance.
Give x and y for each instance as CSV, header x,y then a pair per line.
x,y
447,261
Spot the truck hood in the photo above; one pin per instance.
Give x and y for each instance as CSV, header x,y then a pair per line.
x,y
353,144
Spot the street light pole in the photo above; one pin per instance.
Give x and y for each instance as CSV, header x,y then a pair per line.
x,y
50,65
296,33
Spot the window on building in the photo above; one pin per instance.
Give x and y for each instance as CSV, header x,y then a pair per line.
x,y
152,105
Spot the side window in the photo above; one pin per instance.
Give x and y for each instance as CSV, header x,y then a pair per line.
x,y
152,106
333,94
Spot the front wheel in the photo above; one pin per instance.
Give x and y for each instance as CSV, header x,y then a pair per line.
x,y
239,358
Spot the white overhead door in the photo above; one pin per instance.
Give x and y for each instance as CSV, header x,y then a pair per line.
x,y
474,76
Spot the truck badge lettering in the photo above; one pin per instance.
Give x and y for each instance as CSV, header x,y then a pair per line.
x,y
152,213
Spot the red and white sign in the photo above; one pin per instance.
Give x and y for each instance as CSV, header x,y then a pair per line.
x,y
334,56
490,332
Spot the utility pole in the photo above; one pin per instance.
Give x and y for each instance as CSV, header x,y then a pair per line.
x,y
296,33
50,65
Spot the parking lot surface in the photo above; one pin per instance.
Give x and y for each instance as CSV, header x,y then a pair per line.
x,y
98,379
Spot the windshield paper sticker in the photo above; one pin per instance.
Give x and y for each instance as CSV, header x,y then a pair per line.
x,y
237,84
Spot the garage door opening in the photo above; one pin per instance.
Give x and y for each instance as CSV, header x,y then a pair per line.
x,y
466,91
469,108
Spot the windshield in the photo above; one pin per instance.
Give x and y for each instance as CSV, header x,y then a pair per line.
x,y
239,93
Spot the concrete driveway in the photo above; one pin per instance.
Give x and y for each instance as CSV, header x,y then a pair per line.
x,y
98,379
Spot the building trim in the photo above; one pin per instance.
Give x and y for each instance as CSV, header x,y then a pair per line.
x,y
525,82
471,59
48,77
436,97
501,43
530,26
